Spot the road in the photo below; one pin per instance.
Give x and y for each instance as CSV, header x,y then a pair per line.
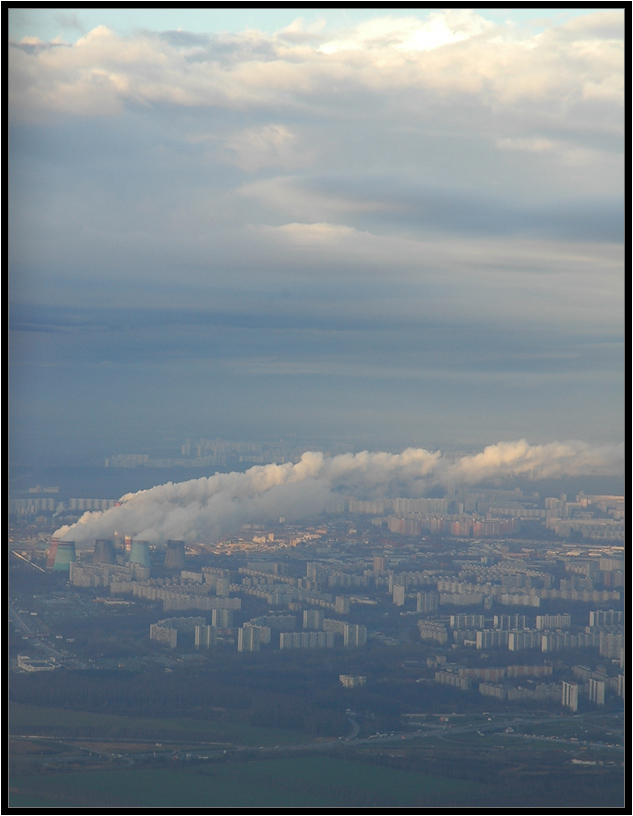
x,y
200,750
25,626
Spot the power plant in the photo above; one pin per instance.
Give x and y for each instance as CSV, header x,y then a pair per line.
x,y
104,552
52,552
60,554
139,553
175,555
64,555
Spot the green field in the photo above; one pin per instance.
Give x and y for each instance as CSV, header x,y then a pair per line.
x,y
68,724
25,800
296,782
579,729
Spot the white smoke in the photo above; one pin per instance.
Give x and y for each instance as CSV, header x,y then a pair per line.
x,y
202,509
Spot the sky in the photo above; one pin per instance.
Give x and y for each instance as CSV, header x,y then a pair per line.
x,y
395,226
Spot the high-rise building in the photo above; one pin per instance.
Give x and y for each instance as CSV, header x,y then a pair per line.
x,y
341,605
553,621
222,618
433,630
248,639
352,680
491,638
606,617
612,645
167,631
205,636
596,691
222,587
427,601
306,640
570,695
467,621
313,570
313,619
354,635
524,639
509,622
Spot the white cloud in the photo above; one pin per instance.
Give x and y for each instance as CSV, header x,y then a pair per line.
x,y
566,153
202,508
310,234
409,34
289,196
452,52
268,146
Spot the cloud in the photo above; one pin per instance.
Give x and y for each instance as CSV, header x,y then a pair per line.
x,y
423,196
409,34
451,52
201,509
267,146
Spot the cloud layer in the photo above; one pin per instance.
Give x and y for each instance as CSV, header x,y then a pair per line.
x,y
454,51
291,219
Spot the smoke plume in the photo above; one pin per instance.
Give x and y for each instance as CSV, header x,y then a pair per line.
x,y
200,510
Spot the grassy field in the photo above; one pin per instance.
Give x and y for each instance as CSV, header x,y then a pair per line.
x,y
490,770
578,729
296,782
25,800
63,723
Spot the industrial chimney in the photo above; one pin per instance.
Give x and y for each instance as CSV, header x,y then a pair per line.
x,y
175,555
52,552
139,553
64,555
103,552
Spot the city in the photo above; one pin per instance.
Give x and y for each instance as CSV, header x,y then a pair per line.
x,y
493,614
316,492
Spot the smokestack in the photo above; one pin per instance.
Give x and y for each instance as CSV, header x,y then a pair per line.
x,y
64,555
52,552
139,553
175,555
103,552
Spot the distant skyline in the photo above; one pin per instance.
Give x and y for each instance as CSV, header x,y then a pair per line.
x,y
401,226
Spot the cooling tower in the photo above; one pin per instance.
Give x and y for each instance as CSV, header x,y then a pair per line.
x,y
52,552
175,555
103,552
139,553
65,554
